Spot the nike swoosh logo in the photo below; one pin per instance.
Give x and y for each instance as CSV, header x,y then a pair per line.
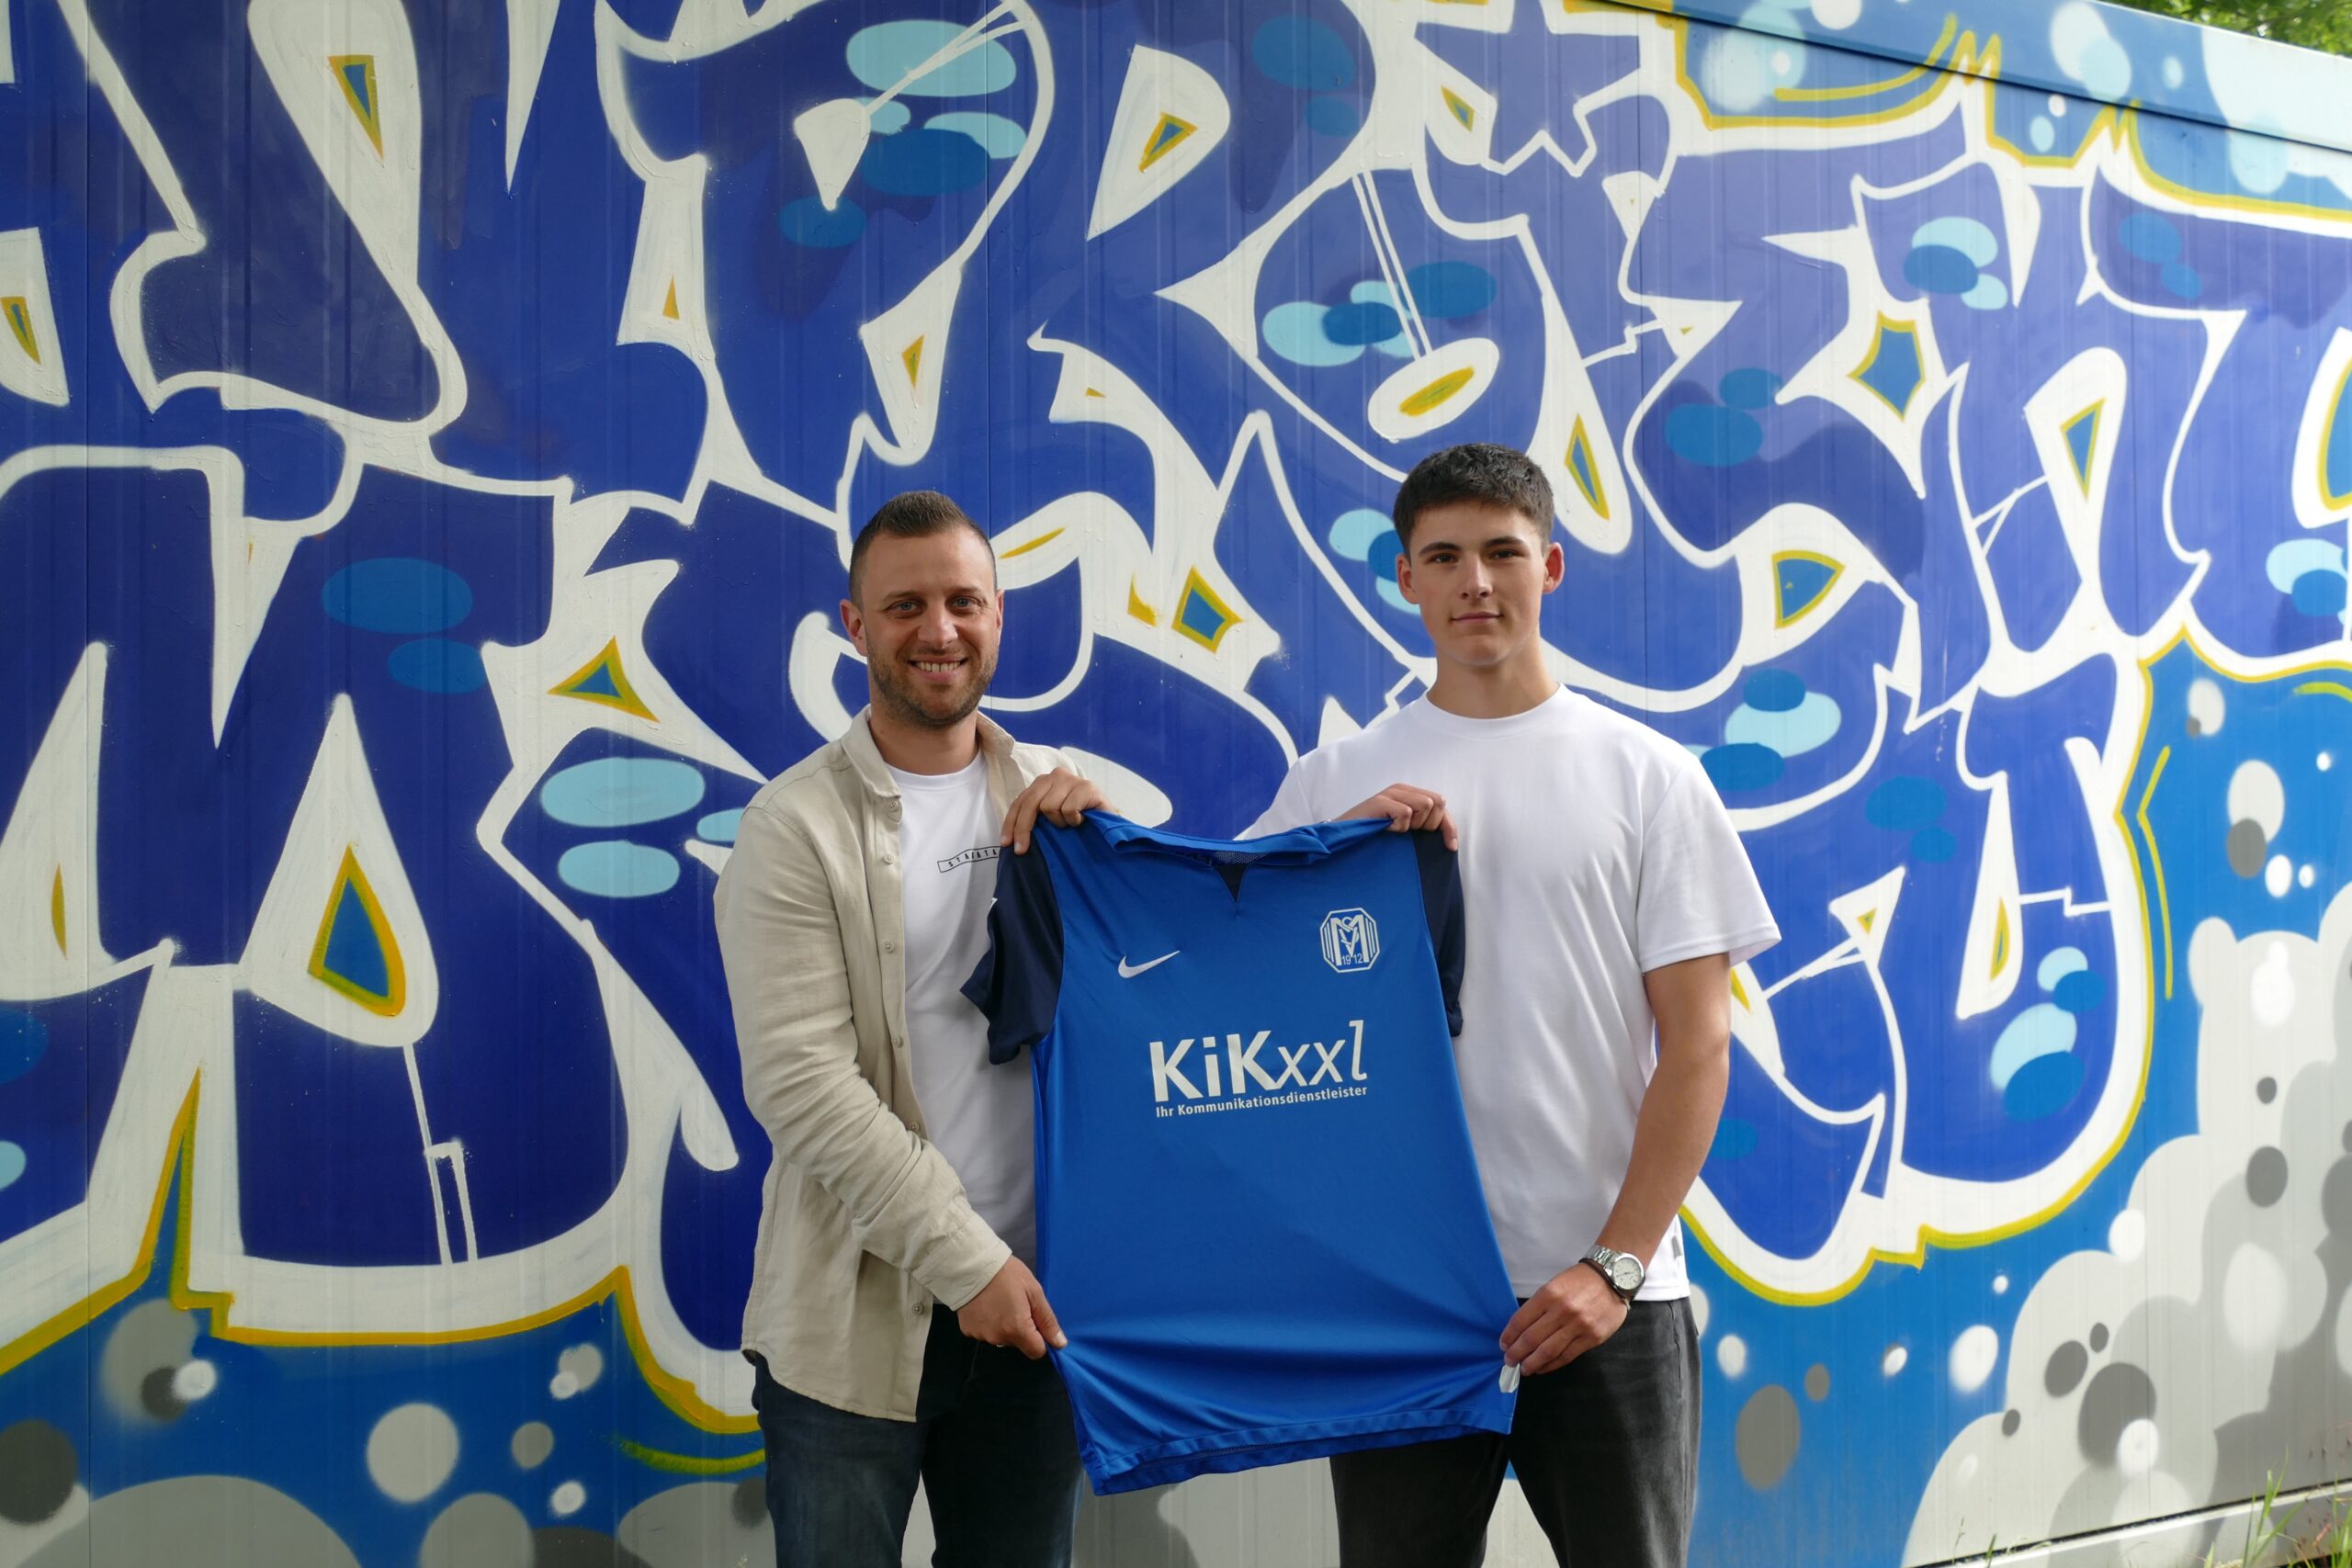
x,y
1129,971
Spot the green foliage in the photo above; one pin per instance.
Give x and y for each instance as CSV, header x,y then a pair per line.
x,y
2313,24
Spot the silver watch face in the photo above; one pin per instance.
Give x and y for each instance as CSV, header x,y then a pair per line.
x,y
1625,1272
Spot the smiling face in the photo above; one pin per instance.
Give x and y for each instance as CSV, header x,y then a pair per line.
x,y
929,624
1478,573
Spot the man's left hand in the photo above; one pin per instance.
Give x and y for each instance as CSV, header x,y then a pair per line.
x,y
1060,796
1575,1311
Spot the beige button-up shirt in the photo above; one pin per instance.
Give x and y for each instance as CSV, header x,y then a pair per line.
x,y
863,1225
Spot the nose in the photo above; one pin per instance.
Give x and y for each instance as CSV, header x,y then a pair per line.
x,y
938,629
1475,584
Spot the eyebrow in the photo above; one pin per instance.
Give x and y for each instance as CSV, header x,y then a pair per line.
x,y
893,594
1512,538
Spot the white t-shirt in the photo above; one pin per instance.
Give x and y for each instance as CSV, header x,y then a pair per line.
x,y
1593,850
981,1119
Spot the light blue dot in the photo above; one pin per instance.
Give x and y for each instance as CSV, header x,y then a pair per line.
x,y
2182,281
2289,562
620,792
2059,963
2151,237
721,827
999,137
1805,727
398,595
2042,1030
1990,294
2107,70
1967,235
880,55
890,118
1352,532
1295,331
613,868
12,1164
2041,133
1393,596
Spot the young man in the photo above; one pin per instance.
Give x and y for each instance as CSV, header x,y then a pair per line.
x,y
1606,894
896,1329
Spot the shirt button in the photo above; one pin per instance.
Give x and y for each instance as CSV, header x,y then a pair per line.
x,y
922,1309
889,947
890,859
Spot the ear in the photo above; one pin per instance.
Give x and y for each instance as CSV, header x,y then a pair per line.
x,y
1405,578
853,625
1555,566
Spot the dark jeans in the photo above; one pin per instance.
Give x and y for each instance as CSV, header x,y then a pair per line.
x,y
1607,1451
992,1443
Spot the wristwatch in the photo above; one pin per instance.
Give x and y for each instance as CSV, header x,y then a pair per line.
x,y
1621,1269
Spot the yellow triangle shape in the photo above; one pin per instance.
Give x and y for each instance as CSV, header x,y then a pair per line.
x,y
57,907
1165,135
20,322
913,360
2001,940
1138,608
365,104
670,306
615,691
1867,919
394,995
1461,111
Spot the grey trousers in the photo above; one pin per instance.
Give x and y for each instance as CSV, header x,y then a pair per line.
x,y
1606,1449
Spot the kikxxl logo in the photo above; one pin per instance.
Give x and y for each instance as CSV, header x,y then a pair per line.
x,y
1235,1070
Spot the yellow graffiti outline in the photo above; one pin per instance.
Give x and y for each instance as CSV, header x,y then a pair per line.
x,y
179,1167
1872,90
1890,327
2156,860
2329,499
691,1464
1929,1235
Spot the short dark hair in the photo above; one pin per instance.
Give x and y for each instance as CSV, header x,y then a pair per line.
x,y
1475,470
917,514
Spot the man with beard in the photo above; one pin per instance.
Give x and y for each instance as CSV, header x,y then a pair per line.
x,y
895,1328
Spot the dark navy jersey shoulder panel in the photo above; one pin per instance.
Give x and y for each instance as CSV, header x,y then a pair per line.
x,y
1259,1219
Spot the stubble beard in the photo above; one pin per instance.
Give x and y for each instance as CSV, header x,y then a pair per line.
x,y
904,700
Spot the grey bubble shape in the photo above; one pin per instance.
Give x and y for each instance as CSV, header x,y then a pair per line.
x,y
2065,1369
1767,1436
2118,1395
152,1335
701,1523
2266,1176
2098,1336
478,1531
197,1521
1817,1383
411,1450
37,1469
2247,847
2336,1197
572,1546
157,1397
2266,1090
531,1444
2010,1422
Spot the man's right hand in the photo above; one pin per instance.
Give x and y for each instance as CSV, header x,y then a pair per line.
x,y
1407,807
1011,1310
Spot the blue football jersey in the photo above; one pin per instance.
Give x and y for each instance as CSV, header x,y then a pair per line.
x,y
1259,1216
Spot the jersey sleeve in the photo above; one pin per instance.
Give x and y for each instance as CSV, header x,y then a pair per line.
x,y
1697,894
1441,898
1018,983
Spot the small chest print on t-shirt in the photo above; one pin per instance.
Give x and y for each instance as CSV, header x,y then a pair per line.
x,y
969,857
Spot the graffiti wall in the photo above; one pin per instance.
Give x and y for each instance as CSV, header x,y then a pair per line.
x,y
430,431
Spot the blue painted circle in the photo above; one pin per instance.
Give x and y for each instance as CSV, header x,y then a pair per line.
x,y
998,137
433,664
1333,117
2151,237
721,827
24,1040
1445,290
2057,963
620,792
1939,270
1735,1139
2320,593
2040,1030
1354,533
1713,438
1967,235
890,118
613,868
1362,322
1905,803
924,162
1933,846
1773,690
808,222
1749,388
2079,992
881,55
12,1164
1300,52
1807,727
1294,330
2182,282
1743,766
397,593
2044,1087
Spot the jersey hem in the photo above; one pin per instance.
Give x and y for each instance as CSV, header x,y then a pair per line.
x,y
1223,1452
